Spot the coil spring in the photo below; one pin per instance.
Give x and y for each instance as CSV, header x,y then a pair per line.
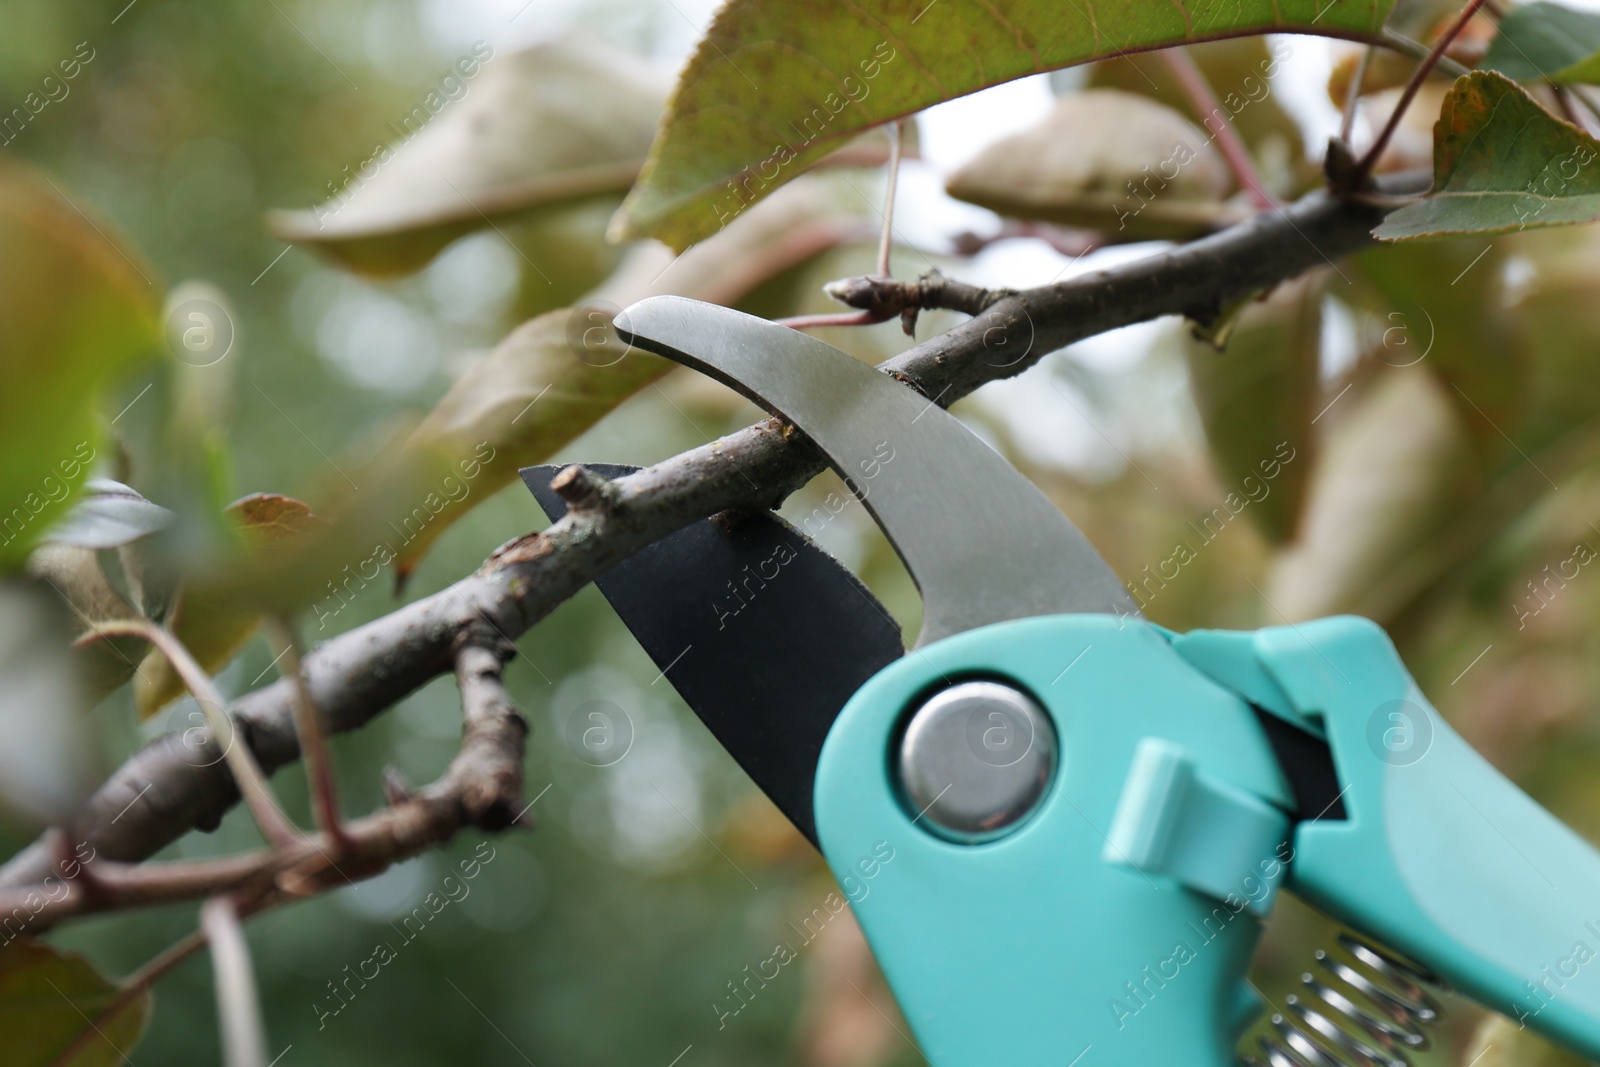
x,y
1370,1011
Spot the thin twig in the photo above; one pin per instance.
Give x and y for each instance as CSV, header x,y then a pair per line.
x,y
309,729
886,241
274,825
1192,80
879,299
1364,168
244,1039
1353,95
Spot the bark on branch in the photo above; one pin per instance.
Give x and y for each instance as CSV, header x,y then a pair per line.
x,y
159,794
482,788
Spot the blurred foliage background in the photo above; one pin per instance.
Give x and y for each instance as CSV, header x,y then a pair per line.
x,y
1438,405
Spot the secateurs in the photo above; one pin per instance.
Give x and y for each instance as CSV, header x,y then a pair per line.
x,y
1090,814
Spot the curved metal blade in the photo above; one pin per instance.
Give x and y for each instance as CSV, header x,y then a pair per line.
x,y
763,634
981,542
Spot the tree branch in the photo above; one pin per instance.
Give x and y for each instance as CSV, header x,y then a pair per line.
x,y
157,795
482,788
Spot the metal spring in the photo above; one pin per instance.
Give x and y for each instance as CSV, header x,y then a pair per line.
x,y
1370,1012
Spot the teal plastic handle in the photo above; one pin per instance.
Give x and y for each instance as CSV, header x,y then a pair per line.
x,y
1442,856
1119,920
1114,928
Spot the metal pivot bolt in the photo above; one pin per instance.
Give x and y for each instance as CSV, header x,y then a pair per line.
x,y
976,760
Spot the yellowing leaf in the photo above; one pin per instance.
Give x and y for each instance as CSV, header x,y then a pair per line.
x,y
76,306
775,85
1501,163
550,125
214,624
267,518
49,998
1109,161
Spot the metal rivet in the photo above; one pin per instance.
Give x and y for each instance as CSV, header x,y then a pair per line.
x,y
976,760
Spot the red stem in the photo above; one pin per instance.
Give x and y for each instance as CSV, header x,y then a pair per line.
x,y
842,318
1363,169
1193,82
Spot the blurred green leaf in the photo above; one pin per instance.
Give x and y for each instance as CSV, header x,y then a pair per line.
x,y
1397,464
1442,305
1501,163
77,307
48,998
215,624
46,748
1546,42
109,515
774,86
548,126
1256,397
1558,334
79,579
1108,161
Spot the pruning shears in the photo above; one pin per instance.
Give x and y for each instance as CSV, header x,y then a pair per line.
x,y
1090,814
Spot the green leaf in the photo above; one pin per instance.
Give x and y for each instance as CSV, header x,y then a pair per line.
x,y
1109,161
774,85
1255,401
77,306
1501,163
215,624
1546,42
49,998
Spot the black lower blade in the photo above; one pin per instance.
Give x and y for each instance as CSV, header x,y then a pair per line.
x,y
762,633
